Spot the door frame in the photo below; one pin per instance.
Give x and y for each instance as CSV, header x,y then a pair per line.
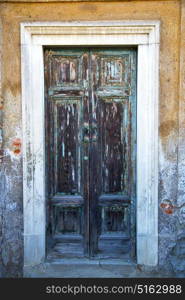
x,y
145,34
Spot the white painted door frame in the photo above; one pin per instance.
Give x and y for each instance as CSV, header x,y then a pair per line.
x,y
146,36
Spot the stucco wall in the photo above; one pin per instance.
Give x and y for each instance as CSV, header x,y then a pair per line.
x,y
171,226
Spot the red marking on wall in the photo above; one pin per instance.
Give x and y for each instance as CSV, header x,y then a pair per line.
x,y
17,146
17,142
163,205
169,211
167,207
17,151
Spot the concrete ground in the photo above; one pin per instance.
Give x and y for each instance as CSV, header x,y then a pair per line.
x,y
86,268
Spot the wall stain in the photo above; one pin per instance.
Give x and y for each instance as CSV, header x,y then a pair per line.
x,y
166,128
88,6
14,87
1,103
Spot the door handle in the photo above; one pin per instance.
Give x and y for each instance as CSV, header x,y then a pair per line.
x,y
86,133
94,132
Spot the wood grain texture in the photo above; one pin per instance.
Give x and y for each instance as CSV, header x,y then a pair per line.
x,y
91,140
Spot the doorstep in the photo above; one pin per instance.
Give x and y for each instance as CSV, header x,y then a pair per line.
x,y
88,268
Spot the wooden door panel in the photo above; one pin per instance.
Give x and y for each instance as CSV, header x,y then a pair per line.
x,y
67,148
90,149
67,220
113,72
114,144
67,109
113,110
65,69
115,220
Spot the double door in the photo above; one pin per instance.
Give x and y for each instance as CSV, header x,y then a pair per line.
x,y
90,100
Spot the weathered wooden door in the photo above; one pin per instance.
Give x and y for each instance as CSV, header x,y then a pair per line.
x,y
91,151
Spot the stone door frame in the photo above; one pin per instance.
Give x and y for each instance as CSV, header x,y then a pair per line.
x,y
145,34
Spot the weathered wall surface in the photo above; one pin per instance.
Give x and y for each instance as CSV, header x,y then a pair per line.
x,y
1,125
177,255
171,226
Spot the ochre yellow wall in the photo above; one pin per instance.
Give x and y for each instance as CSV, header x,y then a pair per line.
x,y
168,12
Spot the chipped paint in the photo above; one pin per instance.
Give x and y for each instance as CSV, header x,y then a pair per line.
x,y
16,146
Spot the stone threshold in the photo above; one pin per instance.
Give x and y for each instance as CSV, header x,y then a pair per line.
x,y
90,268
